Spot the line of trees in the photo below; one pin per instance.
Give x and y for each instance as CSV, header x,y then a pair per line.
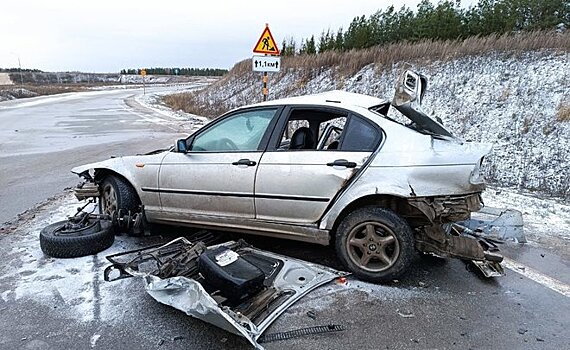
x,y
15,70
443,21
204,72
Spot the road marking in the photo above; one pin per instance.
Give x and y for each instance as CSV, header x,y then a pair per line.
x,y
538,277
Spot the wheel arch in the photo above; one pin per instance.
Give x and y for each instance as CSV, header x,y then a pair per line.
x,y
101,173
399,205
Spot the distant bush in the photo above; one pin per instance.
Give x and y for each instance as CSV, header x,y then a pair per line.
x,y
16,70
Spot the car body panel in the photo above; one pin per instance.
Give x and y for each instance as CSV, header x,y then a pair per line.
x,y
208,183
297,186
410,90
141,171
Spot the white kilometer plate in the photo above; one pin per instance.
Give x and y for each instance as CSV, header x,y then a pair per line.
x,y
266,63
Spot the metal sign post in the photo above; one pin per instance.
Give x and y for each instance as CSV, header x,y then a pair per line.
x,y
265,91
143,74
270,61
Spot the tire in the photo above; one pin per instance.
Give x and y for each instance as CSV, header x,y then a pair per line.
x,y
59,242
116,194
375,244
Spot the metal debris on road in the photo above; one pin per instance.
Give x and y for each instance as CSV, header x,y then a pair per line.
x,y
301,332
230,285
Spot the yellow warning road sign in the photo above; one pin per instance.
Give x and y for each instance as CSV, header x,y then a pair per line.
x,y
143,72
266,44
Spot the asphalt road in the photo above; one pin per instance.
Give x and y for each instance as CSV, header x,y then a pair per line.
x,y
42,138
48,303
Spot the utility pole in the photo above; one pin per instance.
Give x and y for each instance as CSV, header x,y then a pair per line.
x,y
21,76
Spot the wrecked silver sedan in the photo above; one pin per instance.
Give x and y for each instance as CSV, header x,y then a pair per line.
x,y
331,168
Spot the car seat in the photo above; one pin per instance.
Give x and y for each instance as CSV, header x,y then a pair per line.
x,y
302,138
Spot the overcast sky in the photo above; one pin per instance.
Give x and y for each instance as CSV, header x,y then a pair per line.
x,y
106,36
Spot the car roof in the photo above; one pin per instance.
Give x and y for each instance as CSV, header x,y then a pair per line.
x,y
335,97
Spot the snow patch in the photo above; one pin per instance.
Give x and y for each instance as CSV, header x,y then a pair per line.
x,y
542,217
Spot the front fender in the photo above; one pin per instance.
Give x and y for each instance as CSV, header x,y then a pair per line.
x,y
139,171
115,165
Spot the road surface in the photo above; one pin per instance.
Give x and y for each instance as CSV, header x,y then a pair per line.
x,y
42,138
48,303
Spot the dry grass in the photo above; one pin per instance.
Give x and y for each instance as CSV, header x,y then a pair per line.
x,y
188,103
563,114
54,89
384,56
348,63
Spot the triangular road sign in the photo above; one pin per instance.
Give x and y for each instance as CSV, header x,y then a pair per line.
x,y
266,44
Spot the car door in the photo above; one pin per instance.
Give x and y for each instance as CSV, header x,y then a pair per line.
x,y
215,176
296,185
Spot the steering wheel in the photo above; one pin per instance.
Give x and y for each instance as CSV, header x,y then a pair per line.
x,y
229,143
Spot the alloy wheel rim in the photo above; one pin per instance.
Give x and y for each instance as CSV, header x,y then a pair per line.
x,y
373,246
109,200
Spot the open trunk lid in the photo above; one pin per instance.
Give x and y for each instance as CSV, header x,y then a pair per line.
x,y
410,90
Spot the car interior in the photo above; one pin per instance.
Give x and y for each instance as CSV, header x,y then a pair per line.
x,y
312,130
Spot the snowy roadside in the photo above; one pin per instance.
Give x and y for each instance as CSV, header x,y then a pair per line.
x,y
546,221
29,274
153,101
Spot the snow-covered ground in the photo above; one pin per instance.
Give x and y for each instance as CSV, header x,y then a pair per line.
x,y
46,280
545,220
510,100
188,122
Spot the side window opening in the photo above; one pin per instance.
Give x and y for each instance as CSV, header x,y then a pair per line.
x,y
309,129
360,135
240,132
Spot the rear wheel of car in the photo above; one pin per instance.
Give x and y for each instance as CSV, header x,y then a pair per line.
x,y
64,239
118,197
375,244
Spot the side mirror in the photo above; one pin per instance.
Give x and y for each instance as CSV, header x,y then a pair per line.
x,y
180,146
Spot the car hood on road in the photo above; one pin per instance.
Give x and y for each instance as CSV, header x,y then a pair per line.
x,y
176,279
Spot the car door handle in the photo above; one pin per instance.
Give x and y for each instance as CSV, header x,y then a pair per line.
x,y
342,162
244,162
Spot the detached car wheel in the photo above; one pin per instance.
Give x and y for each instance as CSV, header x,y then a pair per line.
x,y
375,244
64,239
